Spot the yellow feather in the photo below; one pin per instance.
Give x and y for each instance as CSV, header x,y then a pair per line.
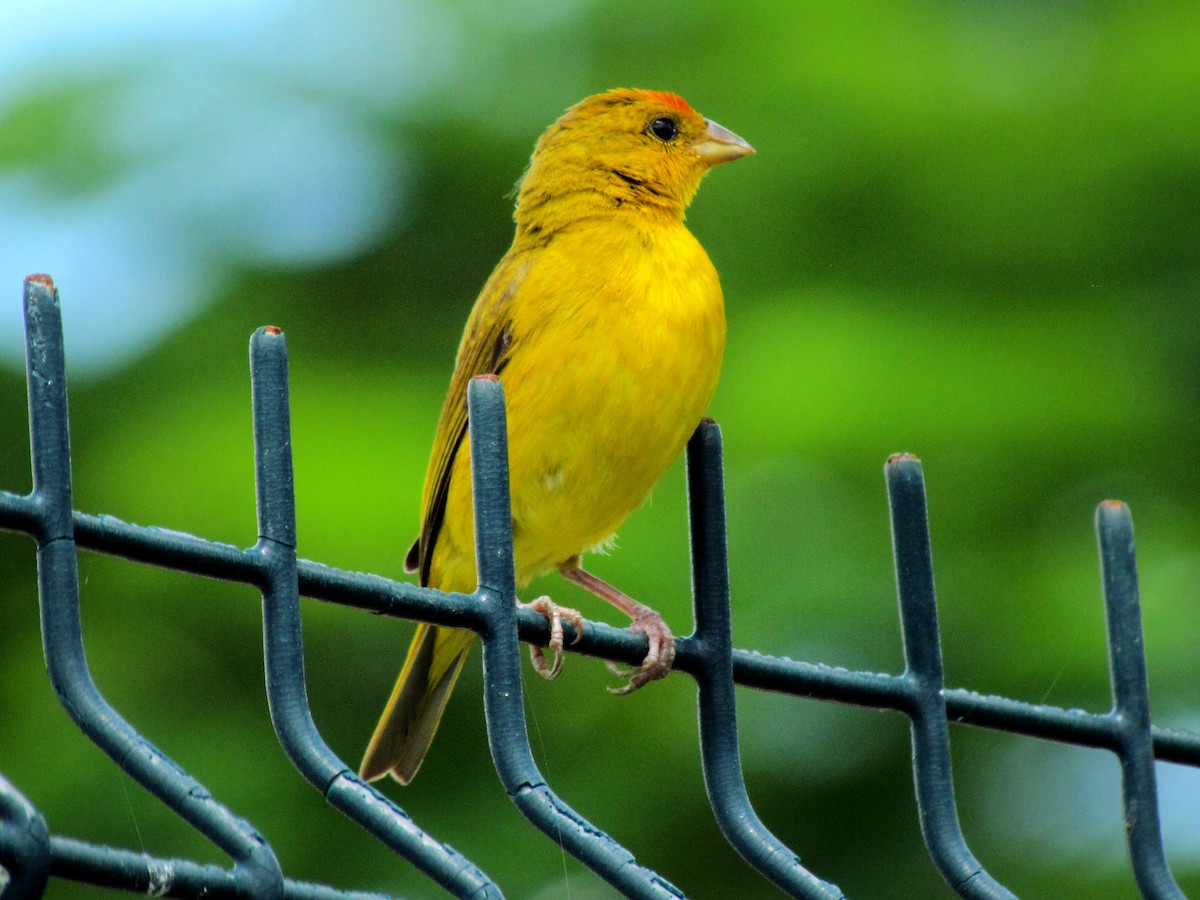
x,y
606,323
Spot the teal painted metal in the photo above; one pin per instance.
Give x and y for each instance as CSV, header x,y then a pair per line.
x,y
720,758
923,686
24,846
284,643
504,706
30,855
1131,701
255,872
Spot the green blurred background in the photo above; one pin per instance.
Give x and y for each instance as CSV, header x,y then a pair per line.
x,y
970,233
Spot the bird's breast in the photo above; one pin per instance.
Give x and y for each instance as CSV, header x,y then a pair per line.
x,y
618,337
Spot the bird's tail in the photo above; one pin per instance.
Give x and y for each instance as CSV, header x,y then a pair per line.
x,y
411,718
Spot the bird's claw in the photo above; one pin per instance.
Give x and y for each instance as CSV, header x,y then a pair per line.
x,y
659,657
554,615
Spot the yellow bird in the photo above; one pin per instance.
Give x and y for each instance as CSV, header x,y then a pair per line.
x,y
606,323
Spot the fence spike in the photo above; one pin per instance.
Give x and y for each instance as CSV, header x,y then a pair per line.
x,y
925,686
720,758
503,703
284,643
1131,701
256,870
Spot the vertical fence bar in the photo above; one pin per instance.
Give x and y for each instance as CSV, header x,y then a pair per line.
x,y
923,677
1131,701
255,867
720,758
283,640
503,697
24,846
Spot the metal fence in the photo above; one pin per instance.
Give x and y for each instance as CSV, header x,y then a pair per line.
x,y
30,855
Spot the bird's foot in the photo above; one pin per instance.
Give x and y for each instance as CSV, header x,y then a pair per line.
x,y
658,659
554,615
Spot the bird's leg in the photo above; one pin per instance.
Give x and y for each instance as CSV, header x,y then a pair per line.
x,y
554,615
662,643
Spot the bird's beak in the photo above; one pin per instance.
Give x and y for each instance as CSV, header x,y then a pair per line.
x,y
719,144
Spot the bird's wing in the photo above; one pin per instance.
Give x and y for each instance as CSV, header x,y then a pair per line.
x,y
486,347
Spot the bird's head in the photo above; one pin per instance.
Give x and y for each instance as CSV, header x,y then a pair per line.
x,y
645,148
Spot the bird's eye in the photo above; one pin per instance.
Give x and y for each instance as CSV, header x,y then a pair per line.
x,y
664,128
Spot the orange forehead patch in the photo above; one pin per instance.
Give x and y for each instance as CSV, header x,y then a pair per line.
x,y
671,100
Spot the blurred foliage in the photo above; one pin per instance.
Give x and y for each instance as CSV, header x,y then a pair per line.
x,y
970,233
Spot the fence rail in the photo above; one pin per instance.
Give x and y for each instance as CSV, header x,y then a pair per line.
x,y
30,855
